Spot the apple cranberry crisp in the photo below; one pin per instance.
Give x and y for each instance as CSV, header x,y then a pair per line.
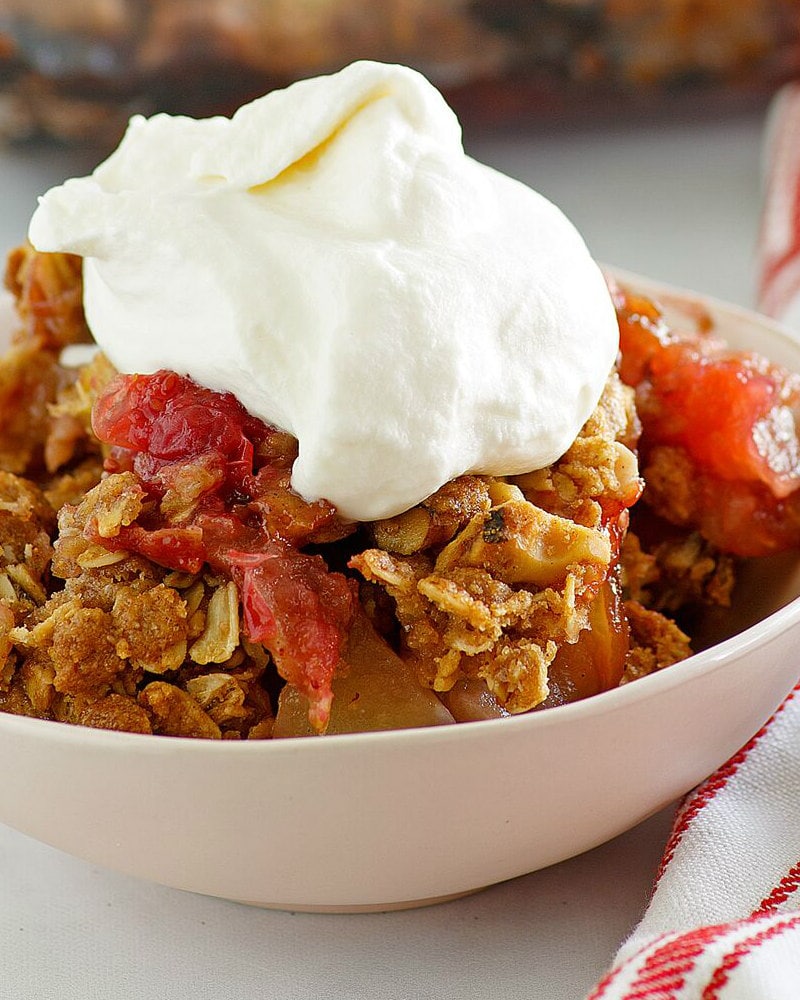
x,y
159,575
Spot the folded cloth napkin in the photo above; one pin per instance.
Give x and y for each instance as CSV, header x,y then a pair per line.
x,y
723,921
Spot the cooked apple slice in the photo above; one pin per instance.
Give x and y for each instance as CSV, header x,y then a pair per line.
x,y
376,690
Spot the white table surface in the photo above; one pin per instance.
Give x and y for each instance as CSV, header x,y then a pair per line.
x,y
676,201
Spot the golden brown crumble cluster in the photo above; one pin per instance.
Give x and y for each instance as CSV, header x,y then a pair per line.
x,y
501,594
516,581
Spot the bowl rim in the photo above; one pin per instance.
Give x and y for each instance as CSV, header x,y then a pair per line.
x,y
702,663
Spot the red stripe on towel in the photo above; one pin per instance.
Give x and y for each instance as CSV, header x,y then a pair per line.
x,y
734,958
663,973
706,792
788,885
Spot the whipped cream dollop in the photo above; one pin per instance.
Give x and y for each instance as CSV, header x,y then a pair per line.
x,y
332,257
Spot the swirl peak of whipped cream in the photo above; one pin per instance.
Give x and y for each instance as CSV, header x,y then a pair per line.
x,y
332,257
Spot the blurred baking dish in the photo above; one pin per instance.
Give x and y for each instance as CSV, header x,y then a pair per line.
x,y
77,69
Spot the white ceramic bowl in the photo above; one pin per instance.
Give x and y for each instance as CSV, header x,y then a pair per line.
x,y
390,819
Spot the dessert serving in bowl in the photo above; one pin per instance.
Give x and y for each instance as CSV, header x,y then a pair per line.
x,y
366,459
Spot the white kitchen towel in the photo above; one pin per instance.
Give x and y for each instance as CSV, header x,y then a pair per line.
x,y
723,921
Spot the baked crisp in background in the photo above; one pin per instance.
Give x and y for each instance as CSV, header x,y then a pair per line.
x,y
78,68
